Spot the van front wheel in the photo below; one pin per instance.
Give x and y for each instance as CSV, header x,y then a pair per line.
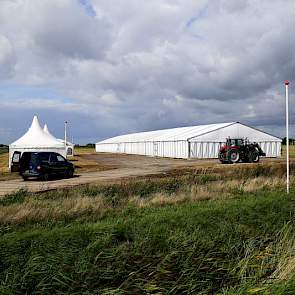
x,y
69,173
45,177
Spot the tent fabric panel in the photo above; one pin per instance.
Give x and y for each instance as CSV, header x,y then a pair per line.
x,y
173,149
180,149
207,150
271,149
204,150
181,133
106,148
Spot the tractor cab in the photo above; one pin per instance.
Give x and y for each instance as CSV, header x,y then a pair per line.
x,y
230,142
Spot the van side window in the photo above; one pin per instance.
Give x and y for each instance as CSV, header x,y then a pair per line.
x,y
16,158
60,158
44,157
53,158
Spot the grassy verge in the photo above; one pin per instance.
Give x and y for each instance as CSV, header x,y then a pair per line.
x,y
198,233
4,170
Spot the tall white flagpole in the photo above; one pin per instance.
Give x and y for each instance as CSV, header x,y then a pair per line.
x,y
287,134
66,137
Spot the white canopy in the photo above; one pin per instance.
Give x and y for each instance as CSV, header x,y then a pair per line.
x,y
46,130
36,140
35,137
69,146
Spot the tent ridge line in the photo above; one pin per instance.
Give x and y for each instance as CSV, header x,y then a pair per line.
x,y
229,124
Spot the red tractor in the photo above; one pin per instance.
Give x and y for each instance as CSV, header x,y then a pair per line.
x,y
237,149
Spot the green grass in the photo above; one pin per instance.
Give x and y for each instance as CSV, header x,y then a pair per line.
x,y
237,239
230,246
17,197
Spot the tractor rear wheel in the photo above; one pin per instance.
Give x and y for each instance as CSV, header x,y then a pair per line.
x,y
233,156
254,157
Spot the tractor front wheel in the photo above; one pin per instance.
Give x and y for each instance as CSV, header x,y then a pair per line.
x,y
222,157
254,157
233,156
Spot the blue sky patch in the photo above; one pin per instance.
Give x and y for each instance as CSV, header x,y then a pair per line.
x,y
88,7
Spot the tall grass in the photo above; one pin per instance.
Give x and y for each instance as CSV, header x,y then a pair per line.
x,y
208,247
201,232
88,201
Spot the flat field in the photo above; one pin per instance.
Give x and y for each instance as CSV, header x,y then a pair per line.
x,y
193,227
100,168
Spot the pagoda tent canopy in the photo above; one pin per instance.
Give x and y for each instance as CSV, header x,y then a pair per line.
x,y
46,130
36,140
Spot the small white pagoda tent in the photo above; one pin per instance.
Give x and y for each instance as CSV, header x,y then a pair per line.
x,y
69,146
36,140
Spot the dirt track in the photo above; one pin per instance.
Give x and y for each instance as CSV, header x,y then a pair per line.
x,y
116,167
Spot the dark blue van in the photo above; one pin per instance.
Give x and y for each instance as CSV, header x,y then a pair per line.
x,y
41,165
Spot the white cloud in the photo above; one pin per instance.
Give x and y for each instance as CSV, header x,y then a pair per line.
x,y
7,58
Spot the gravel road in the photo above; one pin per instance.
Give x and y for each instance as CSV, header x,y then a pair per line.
x,y
120,166
116,167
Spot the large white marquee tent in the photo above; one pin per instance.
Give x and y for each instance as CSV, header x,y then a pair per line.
x,y
36,140
189,142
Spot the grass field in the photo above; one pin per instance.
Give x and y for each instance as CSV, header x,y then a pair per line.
x,y
202,232
4,171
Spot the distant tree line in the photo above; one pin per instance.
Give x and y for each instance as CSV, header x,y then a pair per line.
x,y
291,141
88,145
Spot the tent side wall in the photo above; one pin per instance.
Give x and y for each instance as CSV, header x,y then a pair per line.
x,y
207,150
207,145
169,149
204,150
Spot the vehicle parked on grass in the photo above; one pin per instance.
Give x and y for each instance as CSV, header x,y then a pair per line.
x,y
41,165
238,149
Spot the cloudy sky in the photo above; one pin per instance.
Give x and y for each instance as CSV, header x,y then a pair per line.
x,y
111,67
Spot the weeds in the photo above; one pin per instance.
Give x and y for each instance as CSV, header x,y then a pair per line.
x,y
153,236
17,197
90,202
192,247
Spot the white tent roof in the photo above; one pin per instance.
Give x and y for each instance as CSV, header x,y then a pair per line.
x,y
36,137
181,134
46,130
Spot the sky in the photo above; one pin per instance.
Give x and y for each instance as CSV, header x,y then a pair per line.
x,y
111,67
